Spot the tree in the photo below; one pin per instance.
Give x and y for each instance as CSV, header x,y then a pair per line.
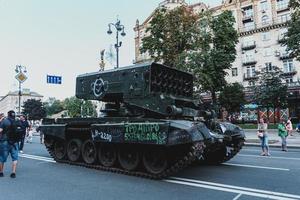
x,y
77,107
34,109
203,45
232,97
292,38
171,34
54,106
270,92
217,52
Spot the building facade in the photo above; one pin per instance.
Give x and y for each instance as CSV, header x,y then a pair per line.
x,y
11,100
261,25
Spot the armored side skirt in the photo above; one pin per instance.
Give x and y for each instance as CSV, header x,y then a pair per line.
x,y
168,132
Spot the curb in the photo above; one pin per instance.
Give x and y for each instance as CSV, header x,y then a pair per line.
x,y
272,145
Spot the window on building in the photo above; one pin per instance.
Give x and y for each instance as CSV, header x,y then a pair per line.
x,y
282,33
283,18
251,83
264,5
269,66
282,4
267,51
248,12
265,20
288,66
250,71
289,80
249,56
234,71
249,26
248,41
265,36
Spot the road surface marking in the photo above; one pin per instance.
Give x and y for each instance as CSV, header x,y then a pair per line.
x,y
232,189
205,184
268,157
256,166
237,197
46,159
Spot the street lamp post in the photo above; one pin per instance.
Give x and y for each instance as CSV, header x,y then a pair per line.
x,y
21,77
119,27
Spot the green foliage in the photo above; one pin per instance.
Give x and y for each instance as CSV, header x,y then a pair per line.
x,y
203,45
78,108
270,92
53,107
171,35
216,52
232,97
254,126
292,38
34,109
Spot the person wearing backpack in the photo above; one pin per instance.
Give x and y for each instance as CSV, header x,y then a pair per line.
x,y
9,142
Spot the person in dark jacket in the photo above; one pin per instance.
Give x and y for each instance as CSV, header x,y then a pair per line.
x,y
6,147
25,129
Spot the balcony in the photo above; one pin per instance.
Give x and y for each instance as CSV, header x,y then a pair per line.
x,y
247,18
282,7
247,28
250,77
293,84
280,39
248,45
285,55
289,73
262,26
249,62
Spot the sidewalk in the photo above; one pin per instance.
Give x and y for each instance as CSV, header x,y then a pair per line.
x,y
274,139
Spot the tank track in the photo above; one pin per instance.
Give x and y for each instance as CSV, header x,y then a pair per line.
x,y
231,151
196,151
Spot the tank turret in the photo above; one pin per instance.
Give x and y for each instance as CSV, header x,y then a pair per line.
x,y
151,88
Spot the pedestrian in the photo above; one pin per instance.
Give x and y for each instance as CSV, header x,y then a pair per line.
x,y
282,133
289,127
29,135
7,147
1,117
25,130
298,127
38,130
262,128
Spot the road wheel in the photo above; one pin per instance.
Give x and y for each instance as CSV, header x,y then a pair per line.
x,y
74,150
107,155
155,161
60,149
128,158
89,152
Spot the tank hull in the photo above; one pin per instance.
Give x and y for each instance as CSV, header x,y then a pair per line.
x,y
150,148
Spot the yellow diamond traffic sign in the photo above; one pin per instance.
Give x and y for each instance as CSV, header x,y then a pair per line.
x,y
21,77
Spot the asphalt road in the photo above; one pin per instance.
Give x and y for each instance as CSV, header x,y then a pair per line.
x,y
247,176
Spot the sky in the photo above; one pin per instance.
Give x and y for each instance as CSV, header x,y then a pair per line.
x,y
64,38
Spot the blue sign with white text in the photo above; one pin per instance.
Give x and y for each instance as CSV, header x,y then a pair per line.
x,y
54,79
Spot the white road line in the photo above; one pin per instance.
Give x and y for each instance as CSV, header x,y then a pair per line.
x,y
207,185
268,157
37,158
237,189
237,197
256,166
